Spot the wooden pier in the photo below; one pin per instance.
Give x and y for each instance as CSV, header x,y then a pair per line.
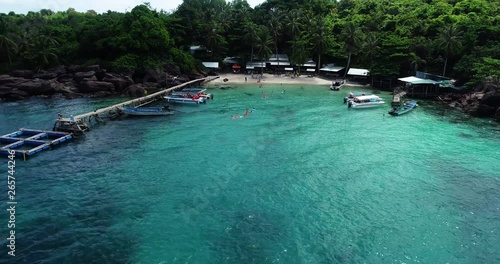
x,y
78,124
34,140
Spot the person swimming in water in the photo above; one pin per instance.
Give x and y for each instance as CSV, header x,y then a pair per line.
x,y
246,112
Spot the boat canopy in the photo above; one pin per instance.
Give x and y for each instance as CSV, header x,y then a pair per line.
x,y
368,97
331,68
211,65
416,80
358,72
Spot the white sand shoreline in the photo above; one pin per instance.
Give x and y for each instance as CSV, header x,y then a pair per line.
x,y
269,79
272,79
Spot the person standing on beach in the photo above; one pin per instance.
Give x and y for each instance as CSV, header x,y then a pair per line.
x,y
245,79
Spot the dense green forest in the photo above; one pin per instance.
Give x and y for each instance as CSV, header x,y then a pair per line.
x,y
455,38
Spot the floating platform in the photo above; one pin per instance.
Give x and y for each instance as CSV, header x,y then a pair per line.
x,y
27,142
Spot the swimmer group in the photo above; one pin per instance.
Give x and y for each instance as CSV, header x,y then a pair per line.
x,y
241,116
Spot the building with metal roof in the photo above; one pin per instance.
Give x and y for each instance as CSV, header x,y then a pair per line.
x,y
358,72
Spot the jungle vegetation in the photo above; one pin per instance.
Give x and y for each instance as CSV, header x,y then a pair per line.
x,y
455,38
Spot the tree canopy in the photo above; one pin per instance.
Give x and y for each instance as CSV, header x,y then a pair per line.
x,y
456,38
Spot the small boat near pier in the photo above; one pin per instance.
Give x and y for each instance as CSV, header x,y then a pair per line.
x,y
404,108
147,111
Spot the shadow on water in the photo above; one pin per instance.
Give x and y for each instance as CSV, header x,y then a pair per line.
x,y
75,214
475,197
82,235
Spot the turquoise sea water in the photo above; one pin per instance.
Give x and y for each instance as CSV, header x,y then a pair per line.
x,y
302,179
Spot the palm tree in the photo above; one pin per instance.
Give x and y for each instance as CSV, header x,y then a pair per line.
x,y
319,37
449,40
302,48
275,24
9,45
371,47
263,44
41,50
351,42
251,35
415,61
294,23
214,39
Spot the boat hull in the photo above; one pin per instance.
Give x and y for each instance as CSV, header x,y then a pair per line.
x,y
336,87
403,109
151,111
185,100
369,105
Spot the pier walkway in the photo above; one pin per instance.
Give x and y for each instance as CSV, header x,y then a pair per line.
x,y
135,102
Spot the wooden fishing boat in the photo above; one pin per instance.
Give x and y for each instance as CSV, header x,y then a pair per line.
x,y
404,108
146,111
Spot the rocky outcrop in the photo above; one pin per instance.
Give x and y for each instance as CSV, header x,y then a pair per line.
x,y
80,76
95,86
75,81
27,74
135,90
120,82
484,101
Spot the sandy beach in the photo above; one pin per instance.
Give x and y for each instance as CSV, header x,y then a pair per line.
x,y
269,79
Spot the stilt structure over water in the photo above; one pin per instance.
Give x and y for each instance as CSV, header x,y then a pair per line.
x,y
27,142
80,123
396,98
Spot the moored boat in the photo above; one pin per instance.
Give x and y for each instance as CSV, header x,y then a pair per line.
x,y
404,108
184,99
147,111
191,92
336,86
353,95
366,101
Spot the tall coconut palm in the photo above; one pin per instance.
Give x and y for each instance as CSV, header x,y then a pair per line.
x,y
214,38
320,37
8,45
352,42
449,40
294,23
371,45
263,44
302,50
275,25
370,48
251,35
415,61
41,50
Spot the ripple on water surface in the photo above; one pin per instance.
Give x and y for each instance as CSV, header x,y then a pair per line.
x,y
302,179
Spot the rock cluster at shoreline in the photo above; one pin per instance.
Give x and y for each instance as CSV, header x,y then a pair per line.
x,y
75,81
484,101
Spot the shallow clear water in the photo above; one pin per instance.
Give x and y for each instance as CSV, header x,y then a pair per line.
x,y
302,179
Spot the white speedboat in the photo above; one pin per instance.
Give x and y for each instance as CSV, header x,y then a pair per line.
x,y
353,95
190,92
366,101
178,98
